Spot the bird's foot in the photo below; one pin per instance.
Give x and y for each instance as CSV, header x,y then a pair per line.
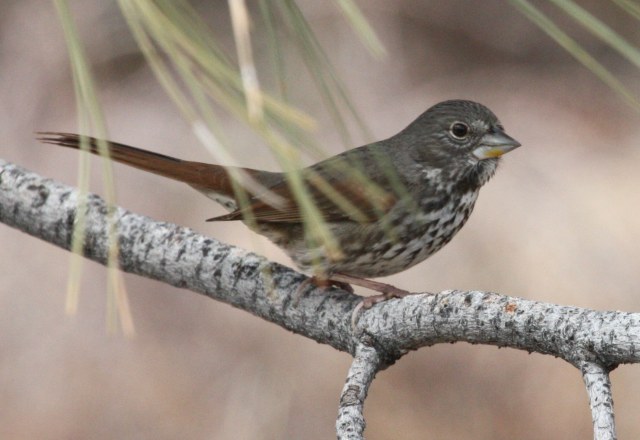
x,y
323,283
387,291
344,282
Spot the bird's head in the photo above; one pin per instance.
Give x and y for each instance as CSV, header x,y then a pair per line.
x,y
459,134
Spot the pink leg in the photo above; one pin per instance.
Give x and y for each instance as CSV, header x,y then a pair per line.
x,y
323,283
344,281
387,291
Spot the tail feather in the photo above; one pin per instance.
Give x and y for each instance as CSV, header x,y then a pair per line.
x,y
201,175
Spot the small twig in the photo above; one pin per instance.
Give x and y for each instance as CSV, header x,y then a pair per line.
x,y
366,363
596,379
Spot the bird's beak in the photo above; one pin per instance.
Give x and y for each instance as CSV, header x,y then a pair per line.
x,y
495,145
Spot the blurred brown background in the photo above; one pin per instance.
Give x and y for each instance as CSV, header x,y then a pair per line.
x,y
560,223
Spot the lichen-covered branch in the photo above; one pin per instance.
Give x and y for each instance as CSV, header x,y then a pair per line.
x,y
593,341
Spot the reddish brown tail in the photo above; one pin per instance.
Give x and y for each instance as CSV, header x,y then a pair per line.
x,y
197,174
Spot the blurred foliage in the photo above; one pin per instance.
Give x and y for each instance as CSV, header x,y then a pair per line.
x,y
197,74
90,118
596,27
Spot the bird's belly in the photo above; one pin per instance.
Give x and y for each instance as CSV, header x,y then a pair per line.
x,y
381,249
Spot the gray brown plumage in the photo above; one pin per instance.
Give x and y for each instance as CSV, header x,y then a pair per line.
x,y
410,193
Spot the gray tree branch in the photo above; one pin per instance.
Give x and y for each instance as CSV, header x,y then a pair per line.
x,y
593,341
178,256
366,363
596,379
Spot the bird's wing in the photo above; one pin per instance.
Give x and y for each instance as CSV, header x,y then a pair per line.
x,y
337,196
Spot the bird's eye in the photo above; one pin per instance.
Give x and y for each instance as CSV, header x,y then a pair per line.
x,y
459,130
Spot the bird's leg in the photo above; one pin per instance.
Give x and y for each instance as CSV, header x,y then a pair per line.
x,y
329,282
344,281
387,291
321,282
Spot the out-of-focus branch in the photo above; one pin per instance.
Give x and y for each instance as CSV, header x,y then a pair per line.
x,y
593,341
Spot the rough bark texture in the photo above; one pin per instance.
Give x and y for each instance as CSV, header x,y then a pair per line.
x,y
596,379
593,341
366,363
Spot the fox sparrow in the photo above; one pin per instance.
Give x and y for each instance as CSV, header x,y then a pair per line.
x,y
388,205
